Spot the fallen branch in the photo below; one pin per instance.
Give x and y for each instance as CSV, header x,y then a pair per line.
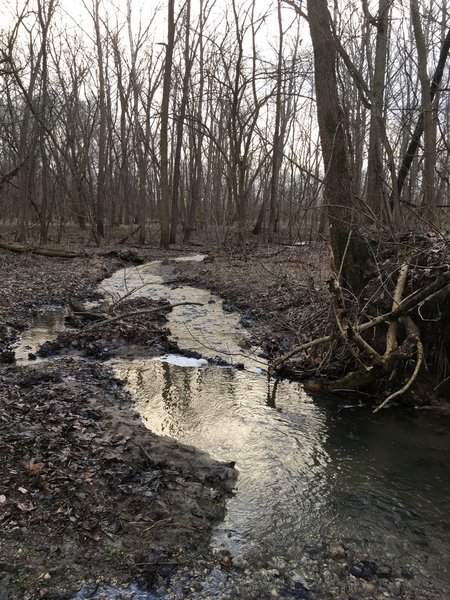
x,y
141,312
282,359
122,241
426,294
51,252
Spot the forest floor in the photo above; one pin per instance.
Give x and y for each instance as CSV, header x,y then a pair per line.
x,y
88,496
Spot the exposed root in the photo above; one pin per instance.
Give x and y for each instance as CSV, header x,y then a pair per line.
x,y
408,384
351,382
391,338
418,295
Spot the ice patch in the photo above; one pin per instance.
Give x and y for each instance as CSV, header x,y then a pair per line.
x,y
182,361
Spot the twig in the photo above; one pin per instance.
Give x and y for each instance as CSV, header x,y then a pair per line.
x,y
158,523
144,451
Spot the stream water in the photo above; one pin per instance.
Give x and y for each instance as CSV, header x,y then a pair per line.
x,y
311,472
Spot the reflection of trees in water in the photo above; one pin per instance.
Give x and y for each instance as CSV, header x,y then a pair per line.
x,y
179,387
272,386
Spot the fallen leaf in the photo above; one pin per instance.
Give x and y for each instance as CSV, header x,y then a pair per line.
x,y
26,507
34,467
23,490
119,439
78,426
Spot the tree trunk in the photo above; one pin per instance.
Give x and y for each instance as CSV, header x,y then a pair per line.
x,y
350,252
164,160
429,149
375,196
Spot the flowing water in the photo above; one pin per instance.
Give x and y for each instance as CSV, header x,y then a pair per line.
x,y
311,472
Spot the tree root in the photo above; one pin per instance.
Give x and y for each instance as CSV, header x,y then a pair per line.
x,y
408,384
391,338
440,286
370,363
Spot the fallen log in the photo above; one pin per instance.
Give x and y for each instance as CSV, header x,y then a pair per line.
x,y
51,252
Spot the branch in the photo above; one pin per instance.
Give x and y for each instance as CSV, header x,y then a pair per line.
x,y
141,312
408,384
297,8
415,139
391,337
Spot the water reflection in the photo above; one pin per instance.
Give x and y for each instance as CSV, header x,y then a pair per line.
x,y
309,472
206,329
229,413
47,327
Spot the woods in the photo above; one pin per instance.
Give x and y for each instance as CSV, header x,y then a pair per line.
x,y
87,109
224,229
244,122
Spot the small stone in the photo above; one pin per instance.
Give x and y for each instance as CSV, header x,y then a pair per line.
x,y
17,533
368,587
384,571
337,551
396,588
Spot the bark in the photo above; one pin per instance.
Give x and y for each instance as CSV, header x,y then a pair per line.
x,y
375,196
180,125
277,138
350,253
196,187
100,199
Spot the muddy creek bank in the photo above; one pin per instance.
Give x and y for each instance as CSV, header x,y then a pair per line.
x,y
330,503
89,497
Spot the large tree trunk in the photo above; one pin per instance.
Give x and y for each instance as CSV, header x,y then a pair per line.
x,y
180,127
350,253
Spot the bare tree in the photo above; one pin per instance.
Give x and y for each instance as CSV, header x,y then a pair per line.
x,y
164,159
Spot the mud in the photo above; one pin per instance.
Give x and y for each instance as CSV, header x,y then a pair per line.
x,y
89,498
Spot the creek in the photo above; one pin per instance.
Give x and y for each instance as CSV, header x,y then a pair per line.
x,y
312,472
